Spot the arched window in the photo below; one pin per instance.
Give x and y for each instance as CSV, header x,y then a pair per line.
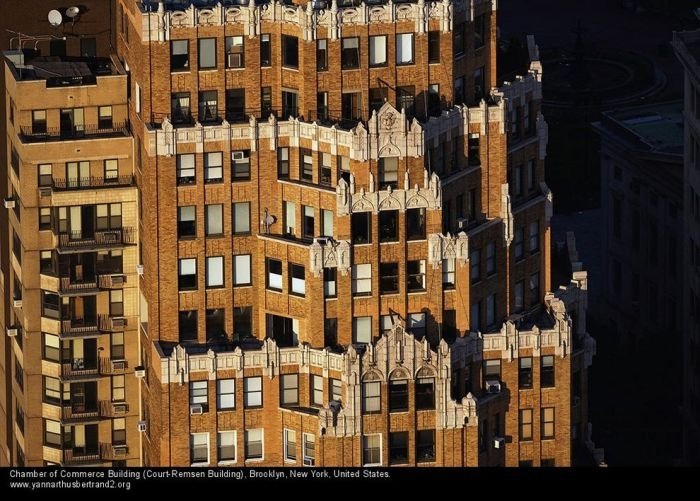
x,y
425,389
398,390
371,393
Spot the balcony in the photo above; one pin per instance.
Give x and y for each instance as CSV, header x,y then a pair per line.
x,y
92,183
75,413
112,324
114,281
113,452
77,328
69,287
85,456
75,241
80,368
109,409
110,366
29,134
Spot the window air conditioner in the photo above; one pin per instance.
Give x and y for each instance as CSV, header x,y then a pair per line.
x,y
9,203
142,426
235,61
462,223
493,386
120,408
308,462
118,322
118,365
139,269
17,303
120,450
499,442
45,192
12,332
196,409
140,371
237,155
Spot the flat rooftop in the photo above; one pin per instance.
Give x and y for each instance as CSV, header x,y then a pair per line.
x,y
59,71
655,128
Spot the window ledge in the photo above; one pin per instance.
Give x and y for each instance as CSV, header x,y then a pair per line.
x,y
416,240
390,243
241,286
226,463
414,293
199,465
256,460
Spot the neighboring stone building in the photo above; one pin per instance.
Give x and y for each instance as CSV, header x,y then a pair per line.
x,y
642,251
344,241
687,48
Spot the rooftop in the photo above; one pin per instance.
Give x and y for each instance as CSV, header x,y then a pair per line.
x,y
59,71
655,128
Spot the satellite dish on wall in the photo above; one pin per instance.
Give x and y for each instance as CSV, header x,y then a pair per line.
x,y
72,12
55,18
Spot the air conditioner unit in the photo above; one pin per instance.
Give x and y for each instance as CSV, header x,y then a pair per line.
x,y
120,450
120,408
118,322
45,192
9,203
499,442
235,60
142,426
118,280
111,236
308,462
12,332
118,365
196,409
139,269
493,386
17,303
237,155
462,223
140,371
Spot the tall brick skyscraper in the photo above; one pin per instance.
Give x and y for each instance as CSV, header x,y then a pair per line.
x,y
343,239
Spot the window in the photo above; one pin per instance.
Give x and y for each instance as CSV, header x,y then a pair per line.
x,y
290,101
116,348
404,48
309,449
207,53
386,324
377,97
492,370
531,174
46,262
415,274
534,237
475,265
283,163
433,47
179,55
225,394
405,99
241,270
525,373
316,390
274,274
336,389
118,389
548,462
434,100
398,395
235,53
330,332
187,276
185,169
180,109
362,279
215,323
362,330
215,272
187,325
213,167
490,310
547,422
458,40
186,222
388,173
214,219
377,51
119,431
208,106
415,224
361,227
265,50
252,392
535,288
371,397
53,391
326,223
290,51
235,105
297,279
266,101
240,165
448,274
398,447
416,324
290,445
350,53
104,117
425,446
389,226
199,394
322,114
525,425
45,175
199,448
490,259
52,348
226,446
425,393
388,278
289,389
116,302
307,164
111,170
329,282
321,55
371,450
547,371
479,84
242,326
254,444
479,31
241,218
39,122
519,248
351,106
52,433
44,218
519,296
290,218
108,216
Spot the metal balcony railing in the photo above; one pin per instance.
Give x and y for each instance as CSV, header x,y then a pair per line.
x,y
83,287
74,328
29,134
105,238
92,182
80,368
80,412
83,456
